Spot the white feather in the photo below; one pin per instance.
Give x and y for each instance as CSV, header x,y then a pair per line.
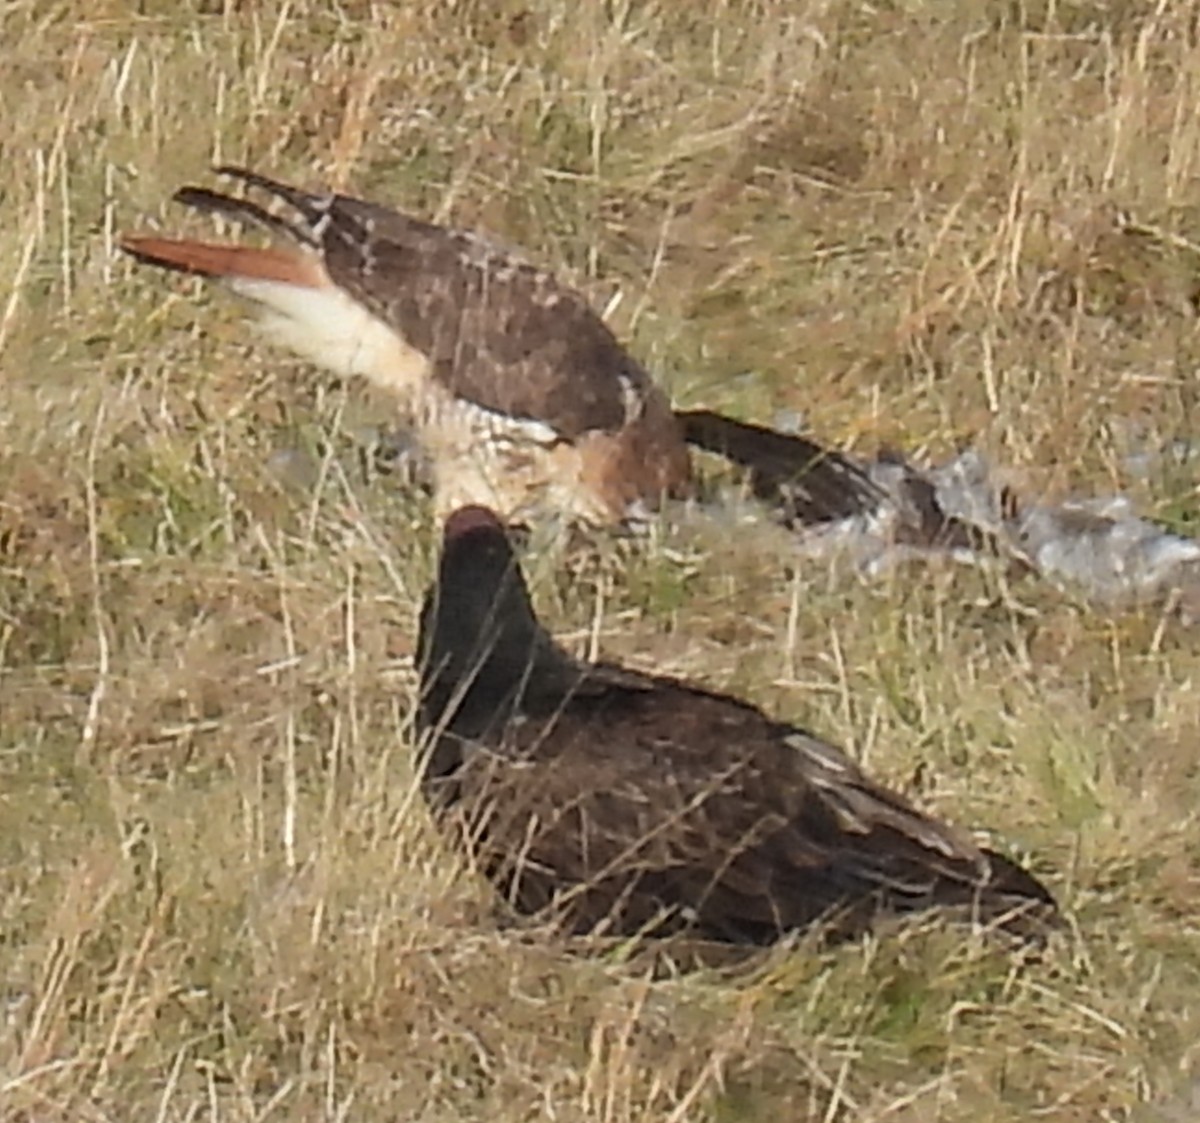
x,y
332,330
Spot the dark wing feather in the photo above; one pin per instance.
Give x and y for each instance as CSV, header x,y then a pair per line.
x,y
647,805
805,482
312,207
245,210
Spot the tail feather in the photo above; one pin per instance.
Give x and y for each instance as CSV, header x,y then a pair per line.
x,y
1007,879
210,259
1014,901
999,894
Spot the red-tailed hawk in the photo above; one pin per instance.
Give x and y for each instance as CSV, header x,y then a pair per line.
x,y
619,803
522,397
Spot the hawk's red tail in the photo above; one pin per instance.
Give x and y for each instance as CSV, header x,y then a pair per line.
x,y
212,259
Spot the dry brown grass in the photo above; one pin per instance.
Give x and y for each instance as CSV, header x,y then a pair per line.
x,y
218,896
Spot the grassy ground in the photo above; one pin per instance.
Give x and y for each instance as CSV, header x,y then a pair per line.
x,y
916,223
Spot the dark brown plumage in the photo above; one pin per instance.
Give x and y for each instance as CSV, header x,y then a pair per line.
x,y
614,802
521,393
805,484
802,481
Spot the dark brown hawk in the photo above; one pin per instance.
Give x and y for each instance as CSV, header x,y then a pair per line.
x,y
614,802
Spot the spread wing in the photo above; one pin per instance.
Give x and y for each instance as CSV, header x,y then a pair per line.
x,y
647,805
805,482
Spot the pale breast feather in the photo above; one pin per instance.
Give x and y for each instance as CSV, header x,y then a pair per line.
x,y
498,332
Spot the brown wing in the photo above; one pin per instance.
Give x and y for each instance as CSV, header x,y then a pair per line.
x,y
499,332
646,805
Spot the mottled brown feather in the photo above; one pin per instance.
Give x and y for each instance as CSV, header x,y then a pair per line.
x,y
500,332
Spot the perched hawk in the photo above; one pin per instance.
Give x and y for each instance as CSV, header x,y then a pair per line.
x,y
619,803
522,397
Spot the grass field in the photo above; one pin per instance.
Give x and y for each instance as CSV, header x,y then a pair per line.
x,y
918,224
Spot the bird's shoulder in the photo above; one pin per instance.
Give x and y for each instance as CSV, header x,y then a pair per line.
x,y
625,720
375,248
